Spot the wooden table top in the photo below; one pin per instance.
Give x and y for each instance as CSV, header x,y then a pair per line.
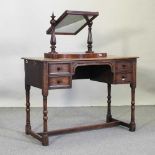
x,y
110,57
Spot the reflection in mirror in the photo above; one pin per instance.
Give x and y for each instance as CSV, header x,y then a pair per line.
x,y
70,24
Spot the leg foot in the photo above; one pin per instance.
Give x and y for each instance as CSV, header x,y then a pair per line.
x,y
27,129
45,141
109,118
132,127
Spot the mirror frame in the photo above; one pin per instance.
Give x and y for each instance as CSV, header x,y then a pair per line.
x,y
85,15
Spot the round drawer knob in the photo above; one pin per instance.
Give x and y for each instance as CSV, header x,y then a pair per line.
x,y
123,66
123,78
59,81
59,68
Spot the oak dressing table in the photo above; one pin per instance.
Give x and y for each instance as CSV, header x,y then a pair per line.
x,y
57,71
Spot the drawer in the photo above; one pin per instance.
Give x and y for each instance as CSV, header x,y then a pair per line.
x,y
123,66
123,78
59,68
59,82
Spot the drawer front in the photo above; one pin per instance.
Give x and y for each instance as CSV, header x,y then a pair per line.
x,y
59,68
123,66
59,82
123,78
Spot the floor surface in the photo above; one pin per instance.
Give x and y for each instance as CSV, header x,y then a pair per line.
x,y
109,141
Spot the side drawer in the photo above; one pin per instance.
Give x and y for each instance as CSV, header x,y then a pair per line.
x,y
123,67
59,82
59,68
123,78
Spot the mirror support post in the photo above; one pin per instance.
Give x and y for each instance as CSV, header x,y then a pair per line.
x,y
53,38
89,39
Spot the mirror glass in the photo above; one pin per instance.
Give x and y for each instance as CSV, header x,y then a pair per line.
x,y
71,24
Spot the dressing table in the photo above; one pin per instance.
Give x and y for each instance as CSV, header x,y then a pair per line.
x,y
57,71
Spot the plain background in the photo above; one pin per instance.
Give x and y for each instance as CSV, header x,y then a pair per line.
x,y
123,28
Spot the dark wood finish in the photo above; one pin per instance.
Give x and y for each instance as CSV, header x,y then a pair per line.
x,y
83,128
88,17
89,40
53,38
56,71
109,116
45,118
28,124
45,140
89,54
123,78
69,12
132,123
59,68
124,124
60,82
33,73
123,66
35,135
49,74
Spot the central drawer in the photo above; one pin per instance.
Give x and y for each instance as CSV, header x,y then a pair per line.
x,y
59,82
59,68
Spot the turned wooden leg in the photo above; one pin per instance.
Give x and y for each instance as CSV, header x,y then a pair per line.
x,y
28,125
45,141
109,116
132,123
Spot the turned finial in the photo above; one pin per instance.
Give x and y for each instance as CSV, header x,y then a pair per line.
x,y
52,20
